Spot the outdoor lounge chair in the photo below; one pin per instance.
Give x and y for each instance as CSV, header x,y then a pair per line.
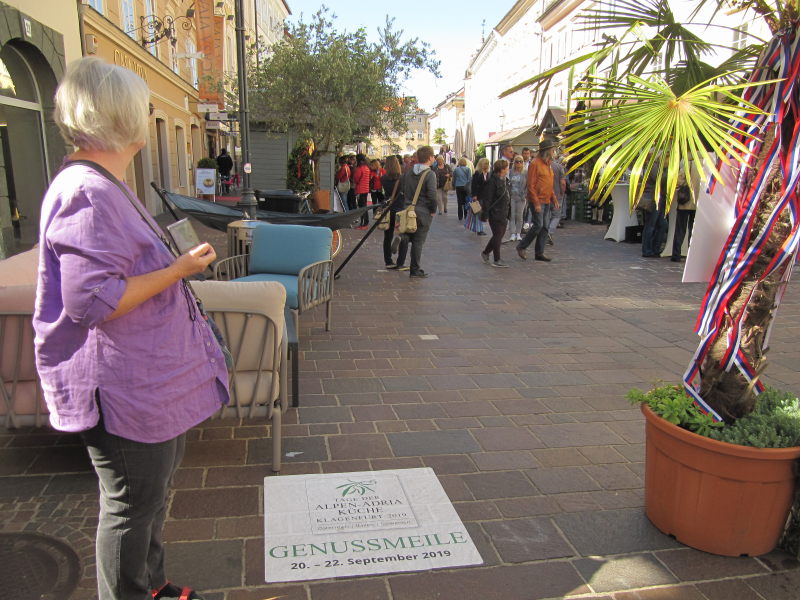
x,y
250,316
297,256
21,399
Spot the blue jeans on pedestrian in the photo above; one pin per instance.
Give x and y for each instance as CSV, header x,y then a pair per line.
x,y
538,231
134,485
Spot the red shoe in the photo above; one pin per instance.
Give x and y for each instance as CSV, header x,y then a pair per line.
x,y
170,591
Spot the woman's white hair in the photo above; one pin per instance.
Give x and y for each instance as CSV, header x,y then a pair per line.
x,y
101,106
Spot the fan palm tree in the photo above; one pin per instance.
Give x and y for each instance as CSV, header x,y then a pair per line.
x,y
649,103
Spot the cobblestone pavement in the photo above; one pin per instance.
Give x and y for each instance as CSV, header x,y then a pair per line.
x,y
509,383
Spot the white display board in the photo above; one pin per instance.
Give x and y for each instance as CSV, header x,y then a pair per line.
x,y
363,523
715,217
206,181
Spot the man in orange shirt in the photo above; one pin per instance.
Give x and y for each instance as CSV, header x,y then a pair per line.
x,y
542,196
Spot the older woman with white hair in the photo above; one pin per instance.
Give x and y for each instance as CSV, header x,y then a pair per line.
x,y
123,351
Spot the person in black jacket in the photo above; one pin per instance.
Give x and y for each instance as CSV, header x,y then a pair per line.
x,y
389,180
425,207
495,200
479,180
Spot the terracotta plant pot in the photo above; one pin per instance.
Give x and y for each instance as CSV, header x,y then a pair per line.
x,y
714,496
322,200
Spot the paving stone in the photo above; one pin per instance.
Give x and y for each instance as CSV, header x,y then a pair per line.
x,y
560,457
350,428
56,459
520,406
188,478
545,580
401,397
351,385
77,483
506,438
623,572
612,532
404,384
184,560
421,425
238,527
600,455
507,484
216,503
214,452
483,510
345,466
502,461
325,414
497,380
470,408
23,487
189,530
379,412
614,477
449,382
559,480
459,423
446,465
299,449
531,506
576,434
356,399
359,446
456,488
524,540
683,592
272,592
411,462
426,443
728,589
419,411
691,565
351,589
779,560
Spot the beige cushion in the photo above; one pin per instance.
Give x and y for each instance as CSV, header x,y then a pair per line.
x,y
250,339
18,282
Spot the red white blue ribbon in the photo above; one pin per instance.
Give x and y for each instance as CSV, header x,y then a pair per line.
x,y
743,247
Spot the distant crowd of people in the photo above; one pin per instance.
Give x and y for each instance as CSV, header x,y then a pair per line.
x,y
521,197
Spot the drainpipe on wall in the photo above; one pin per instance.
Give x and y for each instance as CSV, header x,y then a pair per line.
x,y
81,27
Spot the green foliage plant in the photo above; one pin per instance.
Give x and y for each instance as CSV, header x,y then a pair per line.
x,y
207,163
774,422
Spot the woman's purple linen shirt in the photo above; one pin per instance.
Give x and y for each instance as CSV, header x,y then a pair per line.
x,y
158,372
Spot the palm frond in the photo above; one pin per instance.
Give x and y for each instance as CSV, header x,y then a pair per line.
x,y
641,127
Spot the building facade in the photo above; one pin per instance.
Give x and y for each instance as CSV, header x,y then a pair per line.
x,y
37,40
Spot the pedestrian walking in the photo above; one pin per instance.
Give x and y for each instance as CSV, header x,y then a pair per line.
x,y
495,202
517,182
479,179
542,197
361,177
425,208
462,176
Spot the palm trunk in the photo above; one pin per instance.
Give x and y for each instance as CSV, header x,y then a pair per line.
x,y
729,393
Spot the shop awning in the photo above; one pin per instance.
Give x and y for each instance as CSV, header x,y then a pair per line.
x,y
521,136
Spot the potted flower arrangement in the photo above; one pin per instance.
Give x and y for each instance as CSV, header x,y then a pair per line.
x,y
646,102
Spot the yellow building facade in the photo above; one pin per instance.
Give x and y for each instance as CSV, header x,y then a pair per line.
x,y
156,39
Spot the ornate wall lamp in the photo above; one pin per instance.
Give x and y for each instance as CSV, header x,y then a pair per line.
x,y
154,29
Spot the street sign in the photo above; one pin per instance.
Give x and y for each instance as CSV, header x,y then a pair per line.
x,y
207,107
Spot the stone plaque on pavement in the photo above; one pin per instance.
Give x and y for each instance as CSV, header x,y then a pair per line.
x,y
346,524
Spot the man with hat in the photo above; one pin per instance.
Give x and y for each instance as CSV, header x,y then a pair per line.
x,y
542,197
